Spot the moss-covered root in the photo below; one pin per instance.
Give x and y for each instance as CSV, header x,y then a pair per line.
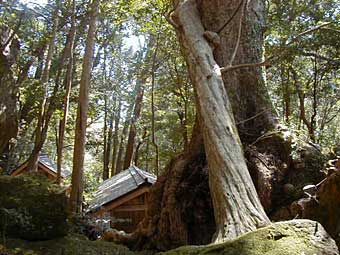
x,y
69,245
282,238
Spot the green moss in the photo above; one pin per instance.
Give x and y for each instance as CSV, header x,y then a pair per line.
x,y
277,239
69,245
284,238
32,208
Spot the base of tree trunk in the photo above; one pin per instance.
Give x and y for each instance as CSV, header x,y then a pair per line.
x,y
180,210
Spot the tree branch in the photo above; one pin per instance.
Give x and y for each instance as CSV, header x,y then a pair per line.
x,y
268,60
230,67
253,117
239,33
231,18
309,31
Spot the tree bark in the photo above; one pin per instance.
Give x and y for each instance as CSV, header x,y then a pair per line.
x,y
168,223
76,196
119,159
237,207
153,131
68,85
42,125
246,86
132,132
139,145
115,139
106,172
8,89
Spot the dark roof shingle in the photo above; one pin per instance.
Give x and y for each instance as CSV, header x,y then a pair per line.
x,y
47,162
119,185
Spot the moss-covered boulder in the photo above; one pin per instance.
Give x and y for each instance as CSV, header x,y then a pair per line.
x,y
32,208
283,238
69,245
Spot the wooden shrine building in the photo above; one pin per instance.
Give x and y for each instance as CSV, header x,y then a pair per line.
x,y
122,199
45,166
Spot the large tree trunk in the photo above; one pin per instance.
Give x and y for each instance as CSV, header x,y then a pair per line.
x,y
167,224
245,86
237,207
240,26
9,48
76,197
176,217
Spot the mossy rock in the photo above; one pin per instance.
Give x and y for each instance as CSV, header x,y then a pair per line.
x,y
32,208
69,245
283,238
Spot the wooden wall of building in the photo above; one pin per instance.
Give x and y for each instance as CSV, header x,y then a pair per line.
x,y
128,215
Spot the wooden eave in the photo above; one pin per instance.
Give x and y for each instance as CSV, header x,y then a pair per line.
x,y
123,199
22,168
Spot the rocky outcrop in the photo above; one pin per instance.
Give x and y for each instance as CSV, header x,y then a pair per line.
x,y
290,237
281,165
322,203
32,208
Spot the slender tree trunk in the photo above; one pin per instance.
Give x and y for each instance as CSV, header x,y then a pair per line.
x,y
76,197
106,172
301,96
237,207
119,159
147,154
104,175
139,91
139,145
153,131
132,131
68,85
115,139
315,103
182,115
39,132
286,95
38,53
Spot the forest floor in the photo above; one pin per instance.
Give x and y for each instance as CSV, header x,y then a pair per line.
x,y
291,237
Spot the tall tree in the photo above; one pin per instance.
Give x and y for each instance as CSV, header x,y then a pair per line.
x,y
221,40
132,131
76,197
9,48
153,129
237,207
115,138
45,113
68,84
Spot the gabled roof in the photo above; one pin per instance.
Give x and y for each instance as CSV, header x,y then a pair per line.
x,y
119,185
46,164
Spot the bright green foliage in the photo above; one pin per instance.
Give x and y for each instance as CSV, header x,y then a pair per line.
x,y
308,60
